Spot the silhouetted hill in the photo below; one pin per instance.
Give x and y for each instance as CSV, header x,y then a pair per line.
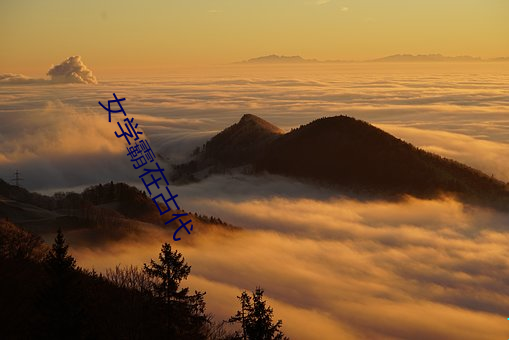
x,y
22,195
352,153
357,157
131,202
237,143
235,146
115,208
105,211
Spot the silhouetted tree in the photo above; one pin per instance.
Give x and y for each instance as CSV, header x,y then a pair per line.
x,y
255,318
61,298
129,277
58,260
49,297
185,318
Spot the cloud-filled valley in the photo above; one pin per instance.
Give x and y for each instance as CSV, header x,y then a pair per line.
x,y
364,270
330,265
182,111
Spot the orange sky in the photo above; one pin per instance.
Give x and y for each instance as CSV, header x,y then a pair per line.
x,y
135,35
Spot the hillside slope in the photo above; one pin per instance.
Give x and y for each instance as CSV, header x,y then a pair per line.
x,y
353,156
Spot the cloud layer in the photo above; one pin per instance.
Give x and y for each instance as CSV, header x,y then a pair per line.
x,y
71,70
460,113
338,268
420,269
18,79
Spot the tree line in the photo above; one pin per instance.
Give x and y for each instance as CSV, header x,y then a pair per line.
x,y
48,296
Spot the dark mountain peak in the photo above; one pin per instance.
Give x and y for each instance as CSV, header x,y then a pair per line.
x,y
250,118
349,154
341,122
353,154
250,129
250,121
241,142
340,132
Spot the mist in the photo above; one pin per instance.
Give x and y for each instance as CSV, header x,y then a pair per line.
x,y
331,265
425,269
458,112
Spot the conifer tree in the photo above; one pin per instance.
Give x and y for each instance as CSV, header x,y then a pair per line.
x,y
61,299
255,318
58,260
168,274
185,316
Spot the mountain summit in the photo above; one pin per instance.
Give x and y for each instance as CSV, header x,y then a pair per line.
x,y
240,143
346,153
250,121
235,146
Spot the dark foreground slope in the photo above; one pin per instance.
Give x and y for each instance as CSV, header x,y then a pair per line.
x,y
38,302
356,157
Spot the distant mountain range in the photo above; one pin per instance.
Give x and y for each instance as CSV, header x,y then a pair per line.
x,y
426,58
344,153
277,59
280,59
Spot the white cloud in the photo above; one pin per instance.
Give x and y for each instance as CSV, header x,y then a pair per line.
x,y
72,70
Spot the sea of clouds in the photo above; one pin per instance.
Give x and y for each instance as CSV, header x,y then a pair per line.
x,y
343,269
458,113
332,267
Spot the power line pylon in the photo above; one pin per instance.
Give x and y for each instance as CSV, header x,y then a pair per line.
x,y
17,178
